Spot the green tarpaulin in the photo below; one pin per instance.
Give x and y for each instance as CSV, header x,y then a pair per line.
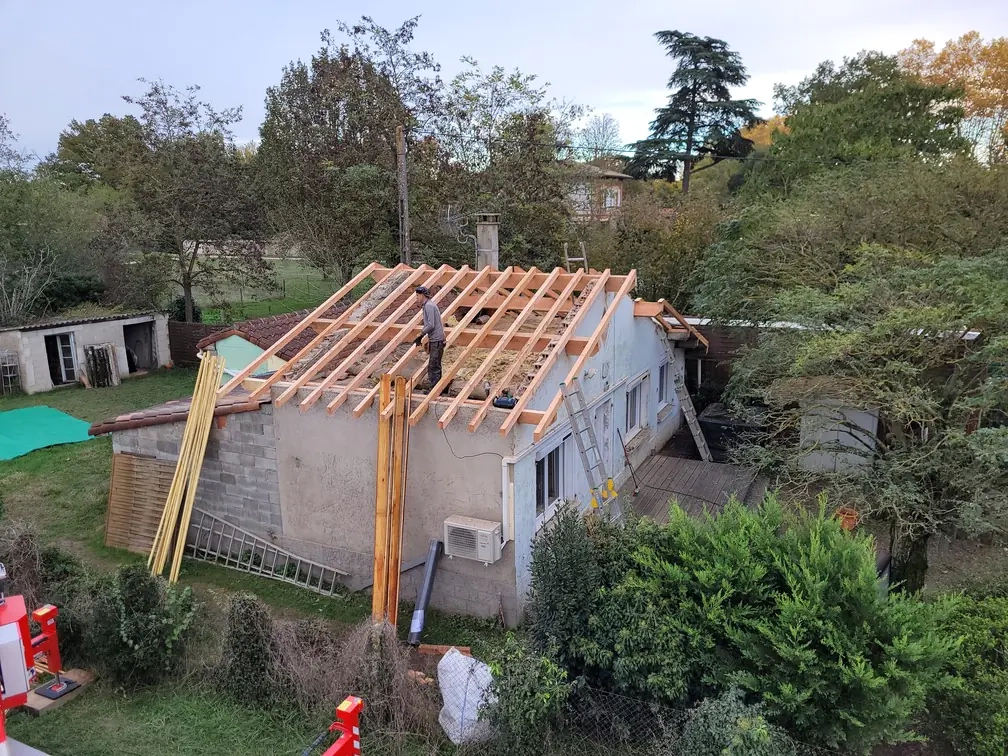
x,y
31,428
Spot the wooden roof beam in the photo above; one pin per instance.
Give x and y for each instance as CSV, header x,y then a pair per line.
x,y
369,398
514,277
532,343
643,309
465,336
502,343
597,290
579,363
684,323
449,375
450,338
400,337
376,333
350,335
261,360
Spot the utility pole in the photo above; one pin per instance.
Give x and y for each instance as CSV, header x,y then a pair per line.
x,y
404,240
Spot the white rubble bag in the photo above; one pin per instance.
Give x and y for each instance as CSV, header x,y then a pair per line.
x,y
465,689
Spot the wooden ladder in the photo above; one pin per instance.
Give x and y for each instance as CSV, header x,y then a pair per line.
x,y
214,540
599,482
583,260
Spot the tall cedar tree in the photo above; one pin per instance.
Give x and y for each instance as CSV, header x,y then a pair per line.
x,y
701,117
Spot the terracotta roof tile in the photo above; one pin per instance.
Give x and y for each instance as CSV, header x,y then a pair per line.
x,y
265,332
175,412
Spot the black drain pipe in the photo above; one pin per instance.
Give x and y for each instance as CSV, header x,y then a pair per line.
x,y
417,623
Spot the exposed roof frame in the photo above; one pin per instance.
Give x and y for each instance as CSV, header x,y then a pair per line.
x,y
360,349
484,367
449,375
598,287
579,363
526,350
394,342
401,362
349,336
309,318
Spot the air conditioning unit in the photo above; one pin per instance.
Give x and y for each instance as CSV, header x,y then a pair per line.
x,y
470,538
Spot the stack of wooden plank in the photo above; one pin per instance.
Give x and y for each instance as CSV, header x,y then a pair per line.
x,y
393,444
177,512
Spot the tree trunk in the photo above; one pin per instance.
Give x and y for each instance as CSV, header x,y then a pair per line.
x,y
909,561
187,293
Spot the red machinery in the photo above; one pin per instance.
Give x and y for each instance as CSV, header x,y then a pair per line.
x,y
19,651
347,729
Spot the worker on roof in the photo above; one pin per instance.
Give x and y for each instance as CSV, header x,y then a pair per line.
x,y
433,329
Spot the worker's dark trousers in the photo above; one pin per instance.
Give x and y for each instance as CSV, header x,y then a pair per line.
x,y
434,362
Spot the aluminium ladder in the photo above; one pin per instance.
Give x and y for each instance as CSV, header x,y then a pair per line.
x,y
599,482
217,541
583,260
685,400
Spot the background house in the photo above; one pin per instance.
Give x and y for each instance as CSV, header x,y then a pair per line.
x,y
293,458
50,353
596,192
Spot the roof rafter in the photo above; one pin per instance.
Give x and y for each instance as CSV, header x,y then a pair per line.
x,y
399,338
293,334
401,362
596,338
449,375
526,350
348,337
599,286
502,343
360,349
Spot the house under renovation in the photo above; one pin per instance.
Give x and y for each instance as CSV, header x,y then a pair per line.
x,y
292,455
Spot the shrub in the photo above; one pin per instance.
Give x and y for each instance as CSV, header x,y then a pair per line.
x,y
727,726
69,291
247,652
971,711
529,693
786,609
176,310
140,625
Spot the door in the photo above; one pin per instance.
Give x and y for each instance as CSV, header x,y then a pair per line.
x,y
62,358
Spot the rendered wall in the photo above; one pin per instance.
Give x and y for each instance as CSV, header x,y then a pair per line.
x,y
327,493
35,365
632,347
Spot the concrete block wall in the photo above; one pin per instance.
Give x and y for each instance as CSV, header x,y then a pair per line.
x,y
238,480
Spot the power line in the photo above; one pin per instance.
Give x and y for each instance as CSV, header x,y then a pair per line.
x,y
623,151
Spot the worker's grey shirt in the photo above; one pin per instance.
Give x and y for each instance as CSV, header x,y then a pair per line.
x,y
432,327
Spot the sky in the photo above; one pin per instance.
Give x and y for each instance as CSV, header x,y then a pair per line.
x,y
65,60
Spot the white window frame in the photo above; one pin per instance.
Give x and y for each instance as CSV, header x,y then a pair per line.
x,y
640,419
664,374
563,470
611,197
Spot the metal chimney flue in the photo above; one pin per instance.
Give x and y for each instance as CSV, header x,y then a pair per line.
x,y
487,245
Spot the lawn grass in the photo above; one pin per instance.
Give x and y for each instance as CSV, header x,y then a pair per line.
x,y
62,491
166,720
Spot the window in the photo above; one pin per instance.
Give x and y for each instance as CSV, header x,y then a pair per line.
x,y
634,398
552,485
663,385
611,197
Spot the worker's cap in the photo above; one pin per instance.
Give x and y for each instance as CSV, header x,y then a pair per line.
x,y
422,290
